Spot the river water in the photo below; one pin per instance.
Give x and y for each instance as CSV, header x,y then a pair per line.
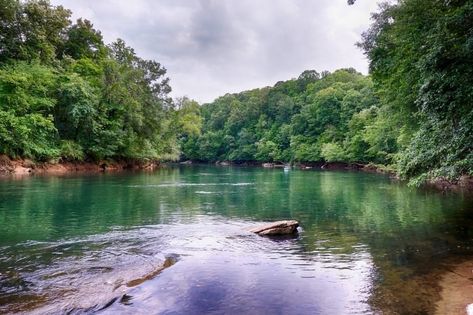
x,y
175,241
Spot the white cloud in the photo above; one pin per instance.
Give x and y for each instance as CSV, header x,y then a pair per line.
x,y
211,47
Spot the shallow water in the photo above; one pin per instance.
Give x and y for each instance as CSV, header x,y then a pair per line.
x,y
175,242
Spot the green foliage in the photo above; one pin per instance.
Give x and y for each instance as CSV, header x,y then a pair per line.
x,y
420,53
31,136
189,120
76,110
31,30
305,149
71,151
26,88
309,119
332,152
64,93
83,41
26,104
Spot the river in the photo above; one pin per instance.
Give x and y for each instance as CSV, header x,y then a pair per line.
x,y
175,241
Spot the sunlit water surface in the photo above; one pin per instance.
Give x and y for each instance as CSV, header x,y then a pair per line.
x,y
175,241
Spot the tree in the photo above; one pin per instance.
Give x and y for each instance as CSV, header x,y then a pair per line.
x,y
31,30
64,94
83,41
307,119
420,58
26,105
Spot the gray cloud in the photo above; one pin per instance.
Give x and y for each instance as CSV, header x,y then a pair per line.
x,y
211,47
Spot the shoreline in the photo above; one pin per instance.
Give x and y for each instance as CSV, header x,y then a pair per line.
x,y
465,183
456,292
26,167
333,166
450,282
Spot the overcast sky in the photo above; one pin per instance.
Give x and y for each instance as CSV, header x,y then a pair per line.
x,y
212,47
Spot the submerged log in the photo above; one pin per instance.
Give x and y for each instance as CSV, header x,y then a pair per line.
x,y
277,228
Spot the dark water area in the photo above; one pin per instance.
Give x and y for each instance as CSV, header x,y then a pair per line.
x,y
175,241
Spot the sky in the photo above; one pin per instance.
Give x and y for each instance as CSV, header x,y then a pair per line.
x,y
214,47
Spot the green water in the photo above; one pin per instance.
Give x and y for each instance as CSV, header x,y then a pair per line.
x,y
367,243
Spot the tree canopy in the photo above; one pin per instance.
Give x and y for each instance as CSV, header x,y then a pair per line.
x,y
316,117
413,113
65,94
421,60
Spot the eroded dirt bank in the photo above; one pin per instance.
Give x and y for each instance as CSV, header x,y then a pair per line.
x,y
21,167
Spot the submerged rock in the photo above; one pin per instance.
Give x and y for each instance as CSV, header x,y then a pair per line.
x,y
277,228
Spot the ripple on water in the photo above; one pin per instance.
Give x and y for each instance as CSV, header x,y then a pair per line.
x,y
202,192
186,184
81,272
219,263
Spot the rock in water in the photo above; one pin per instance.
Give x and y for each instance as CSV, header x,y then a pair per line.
x,y
277,228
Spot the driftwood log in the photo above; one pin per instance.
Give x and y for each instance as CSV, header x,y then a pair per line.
x,y
277,228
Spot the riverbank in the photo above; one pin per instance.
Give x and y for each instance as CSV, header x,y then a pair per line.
x,y
368,244
443,184
372,168
20,167
456,290
440,184
331,166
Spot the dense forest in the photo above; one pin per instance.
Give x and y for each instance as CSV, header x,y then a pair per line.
x,y
413,114
317,117
67,95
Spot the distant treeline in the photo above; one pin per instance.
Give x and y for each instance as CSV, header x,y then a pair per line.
x,y
66,95
414,113
316,117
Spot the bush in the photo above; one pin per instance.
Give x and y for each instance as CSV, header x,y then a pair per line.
x,y
333,152
71,151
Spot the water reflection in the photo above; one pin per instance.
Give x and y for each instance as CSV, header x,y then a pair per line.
x,y
226,270
85,242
